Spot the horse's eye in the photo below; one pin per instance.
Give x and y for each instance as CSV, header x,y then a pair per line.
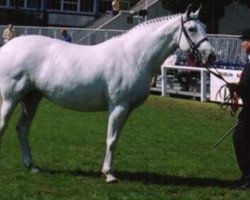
x,y
192,29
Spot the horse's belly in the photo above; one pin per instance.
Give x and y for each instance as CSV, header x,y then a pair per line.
x,y
85,100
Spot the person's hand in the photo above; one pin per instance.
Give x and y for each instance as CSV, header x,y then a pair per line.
x,y
233,88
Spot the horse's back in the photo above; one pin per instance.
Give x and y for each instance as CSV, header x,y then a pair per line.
x,y
28,49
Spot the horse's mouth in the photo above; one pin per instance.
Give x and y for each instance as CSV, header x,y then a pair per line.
x,y
211,59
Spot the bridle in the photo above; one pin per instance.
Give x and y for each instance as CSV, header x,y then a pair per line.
x,y
227,99
194,46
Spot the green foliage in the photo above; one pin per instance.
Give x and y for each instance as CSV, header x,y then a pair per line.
x,y
212,10
180,5
165,152
245,2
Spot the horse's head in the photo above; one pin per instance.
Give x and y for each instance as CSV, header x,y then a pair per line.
x,y
193,39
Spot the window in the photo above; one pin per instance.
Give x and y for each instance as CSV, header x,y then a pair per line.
x,y
105,5
35,4
7,3
12,3
70,5
3,2
87,6
21,3
54,5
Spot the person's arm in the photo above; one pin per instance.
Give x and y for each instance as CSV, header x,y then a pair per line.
x,y
236,87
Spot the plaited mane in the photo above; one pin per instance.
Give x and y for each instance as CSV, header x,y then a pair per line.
x,y
152,22
157,20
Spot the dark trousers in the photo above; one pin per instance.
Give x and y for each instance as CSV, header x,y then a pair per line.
x,y
241,140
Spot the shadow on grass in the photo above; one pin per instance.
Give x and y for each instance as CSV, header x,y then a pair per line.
x,y
150,178
159,179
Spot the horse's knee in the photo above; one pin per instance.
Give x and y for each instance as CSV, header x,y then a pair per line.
x,y
111,143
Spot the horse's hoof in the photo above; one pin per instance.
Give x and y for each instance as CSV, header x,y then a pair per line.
x,y
110,178
34,170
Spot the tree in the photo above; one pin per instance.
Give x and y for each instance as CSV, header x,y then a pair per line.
x,y
212,10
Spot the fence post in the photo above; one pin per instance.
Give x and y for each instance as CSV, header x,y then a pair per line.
x,y
163,81
55,33
39,31
203,85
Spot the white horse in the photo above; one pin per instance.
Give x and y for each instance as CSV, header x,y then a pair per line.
x,y
114,75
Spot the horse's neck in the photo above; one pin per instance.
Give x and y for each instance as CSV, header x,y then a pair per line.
x,y
152,45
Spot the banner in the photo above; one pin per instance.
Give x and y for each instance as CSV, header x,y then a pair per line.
x,y
232,76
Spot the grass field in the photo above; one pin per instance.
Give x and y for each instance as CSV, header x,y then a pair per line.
x,y
165,152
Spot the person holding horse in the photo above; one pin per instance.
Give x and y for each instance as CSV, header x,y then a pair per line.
x,y
241,135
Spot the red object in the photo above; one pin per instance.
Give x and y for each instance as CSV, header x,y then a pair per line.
x,y
192,61
235,105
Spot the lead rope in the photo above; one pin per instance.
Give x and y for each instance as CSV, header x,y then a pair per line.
x,y
231,99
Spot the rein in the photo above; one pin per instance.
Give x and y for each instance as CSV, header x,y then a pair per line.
x,y
228,99
231,99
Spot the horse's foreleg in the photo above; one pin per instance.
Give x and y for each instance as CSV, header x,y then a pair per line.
x,y
29,104
117,117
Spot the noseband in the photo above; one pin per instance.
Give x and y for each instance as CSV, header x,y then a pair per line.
x,y
194,47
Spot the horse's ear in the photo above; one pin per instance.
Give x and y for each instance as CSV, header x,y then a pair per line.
x,y
196,13
188,11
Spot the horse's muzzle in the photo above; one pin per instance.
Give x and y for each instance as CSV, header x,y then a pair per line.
x,y
211,59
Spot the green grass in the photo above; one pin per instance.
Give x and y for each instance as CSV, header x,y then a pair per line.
x,y
165,152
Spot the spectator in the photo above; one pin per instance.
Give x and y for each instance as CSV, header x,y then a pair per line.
x,y
115,7
184,76
8,33
65,36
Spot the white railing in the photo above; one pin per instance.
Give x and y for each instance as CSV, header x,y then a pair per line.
x,y
79,35
208,84
203,79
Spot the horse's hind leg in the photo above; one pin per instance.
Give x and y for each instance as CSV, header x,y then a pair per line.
x,y
29,104
6,108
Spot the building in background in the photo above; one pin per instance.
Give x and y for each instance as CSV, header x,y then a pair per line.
x,y
71,13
